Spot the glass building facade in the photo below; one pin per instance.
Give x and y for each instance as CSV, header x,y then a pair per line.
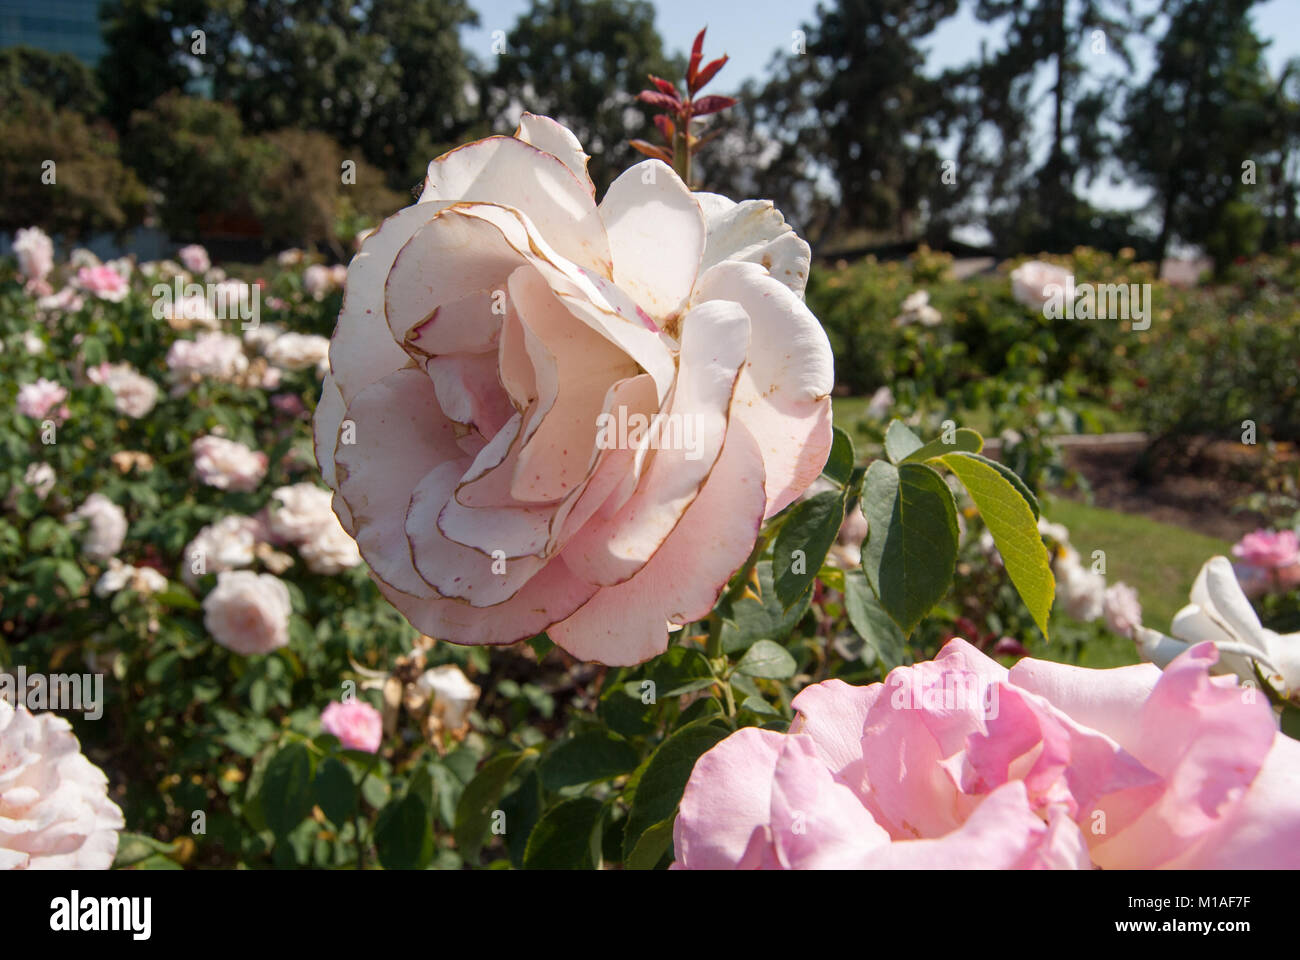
x,y
59,26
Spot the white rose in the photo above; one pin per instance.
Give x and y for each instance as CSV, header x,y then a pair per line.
x,y
248,612
105,527
228,544
55,813
453,695
1030,282
298,512
331,550
298,351
228,464
134,394
1082,592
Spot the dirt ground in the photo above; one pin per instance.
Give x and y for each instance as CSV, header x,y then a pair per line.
x,y
1199,488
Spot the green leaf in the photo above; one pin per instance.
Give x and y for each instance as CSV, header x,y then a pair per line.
x,y
750,619
964,440
479,801
900,442
334,791
176,596
652,846
839,465
769,659
542,645
404,834
871,622
661,785
1291,721
911,547
286,789
802,543
587,758
134,848
1014,525
562,838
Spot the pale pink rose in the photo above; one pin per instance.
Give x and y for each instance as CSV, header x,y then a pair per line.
x,y
35,253
1268,549
331,550
104,282
357,724
959,763
317,281
228,464
195,258
218,356
299,351
105,527
66,300
55,813
1122,609
502,347
1032,283
134,394
41,398
248,612
451,694
228,544
299,511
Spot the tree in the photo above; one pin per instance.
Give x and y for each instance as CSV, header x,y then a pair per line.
x,y
583,62
62,80
1207,110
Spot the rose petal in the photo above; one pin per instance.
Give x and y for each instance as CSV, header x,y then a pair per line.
x,y
755,231
557,140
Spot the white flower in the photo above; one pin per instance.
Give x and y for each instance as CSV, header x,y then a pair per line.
x,y
216,355
1082,593
916,309
262,336
330,551
317,280
228,544
248,612
33,344
105,527
300,511
452,693
191,310
1122,608
228,464
134,394
1030,282
35,253
1055,531
1221,614
298,351
55,813
120,576
40,477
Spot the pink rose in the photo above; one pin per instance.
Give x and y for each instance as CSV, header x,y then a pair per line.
x,y
357,724
195,258
248,612
37,400
104,282
548,414
959,763
1268,549
1122,609
35,253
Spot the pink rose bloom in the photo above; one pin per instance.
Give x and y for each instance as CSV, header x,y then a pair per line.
x,y
248,612
195,258
548,413
317,281
228,465
959,763
357,724
37,400
104,282
1268,549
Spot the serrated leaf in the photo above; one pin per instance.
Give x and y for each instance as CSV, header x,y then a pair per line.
x,y
1014,525
900,442
561,840
964,440
660,787
767,659
801,546
871,622
911,547
839,464
587,758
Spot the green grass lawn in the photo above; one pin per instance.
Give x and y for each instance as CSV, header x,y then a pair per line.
x,y
1158,559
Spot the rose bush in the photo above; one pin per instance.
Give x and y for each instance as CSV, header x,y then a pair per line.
x,y
487,333
960,763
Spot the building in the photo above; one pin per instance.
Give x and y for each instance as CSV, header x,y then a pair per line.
x,y
59,26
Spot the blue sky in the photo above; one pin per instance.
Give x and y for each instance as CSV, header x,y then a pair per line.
x,y
752,31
